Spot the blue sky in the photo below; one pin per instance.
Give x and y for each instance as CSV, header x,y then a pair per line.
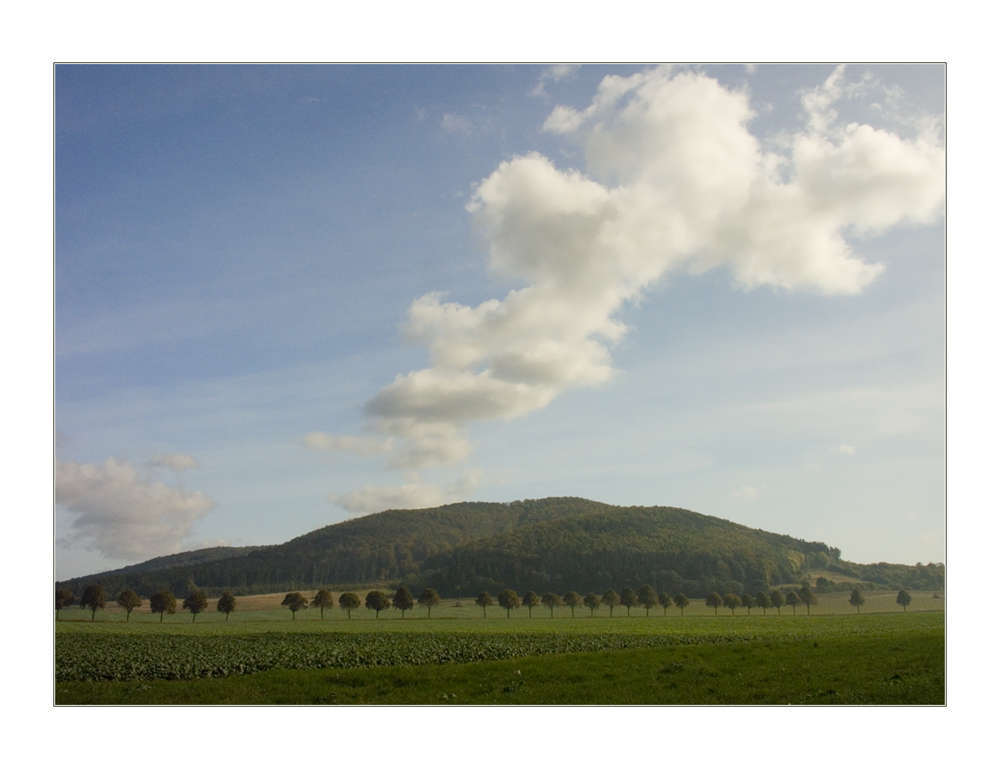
x,y
286,296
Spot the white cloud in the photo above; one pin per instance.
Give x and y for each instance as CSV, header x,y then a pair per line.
x,y
748,492
843,449
177,462
456,124
409,496
363,447
674,181
124,515
555,73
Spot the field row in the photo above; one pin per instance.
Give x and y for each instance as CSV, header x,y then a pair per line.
x,y
83,654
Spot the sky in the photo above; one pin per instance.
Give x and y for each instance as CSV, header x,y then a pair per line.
x,y
286,296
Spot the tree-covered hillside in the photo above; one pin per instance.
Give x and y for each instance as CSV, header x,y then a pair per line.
x,y
554,544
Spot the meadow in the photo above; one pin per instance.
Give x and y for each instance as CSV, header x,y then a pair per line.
x,y
262,656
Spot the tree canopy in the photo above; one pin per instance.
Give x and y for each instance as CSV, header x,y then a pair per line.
x,y
647,597
732,602
349,602
64,598
429,597
377,601
591,601
128,600
611,600
162,603
531,601
777,599
665,601
714,601
806,597
484,599
403,600
93,598
323,600
746,600
226,604
295,602
681,600
552,601
195,603
572,599
763,601
857,600
903,599
792,599
508,600
629,599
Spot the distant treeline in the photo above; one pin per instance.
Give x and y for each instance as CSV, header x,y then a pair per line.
x,y
547,545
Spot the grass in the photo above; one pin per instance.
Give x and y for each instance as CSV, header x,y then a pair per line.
x,y
268,608
884,659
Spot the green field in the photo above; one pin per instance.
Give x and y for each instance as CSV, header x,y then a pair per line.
x,y
263,657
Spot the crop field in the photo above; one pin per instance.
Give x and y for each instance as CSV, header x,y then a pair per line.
x,y
874,658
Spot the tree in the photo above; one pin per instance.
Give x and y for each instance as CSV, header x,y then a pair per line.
x,y
403,600
294,601
64,598
732,602
429,597
777,600
196,603
591,601
377,601
857,600
806,596
792,599
746,600
484,600
629,599
323,600
226,604
508,600
572,600
128,600
903,599
647,598
531,601
714,601
552,601
681,601
93,599
763,600
163,602
349,602
611,600
665,601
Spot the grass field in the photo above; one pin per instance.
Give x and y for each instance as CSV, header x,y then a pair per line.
x,y
268,608
265,658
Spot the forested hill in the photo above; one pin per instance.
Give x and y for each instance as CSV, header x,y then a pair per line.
x,y
550,545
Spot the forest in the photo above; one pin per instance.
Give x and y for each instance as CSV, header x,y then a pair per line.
x,y
546,545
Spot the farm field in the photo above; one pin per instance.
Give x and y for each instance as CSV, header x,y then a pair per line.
x,y
893,658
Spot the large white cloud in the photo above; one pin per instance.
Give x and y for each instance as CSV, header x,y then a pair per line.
x,y
674,181
125,515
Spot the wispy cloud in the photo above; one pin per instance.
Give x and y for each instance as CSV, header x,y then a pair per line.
x,y
674,181
843,448
553,74
456,124
124,514
748,492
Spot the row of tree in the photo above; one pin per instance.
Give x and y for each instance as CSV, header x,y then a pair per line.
x,y
164,602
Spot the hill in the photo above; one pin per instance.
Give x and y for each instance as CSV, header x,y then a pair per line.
x,y
551,545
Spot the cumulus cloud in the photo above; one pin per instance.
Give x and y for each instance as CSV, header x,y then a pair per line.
x,y
674,180
125,515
